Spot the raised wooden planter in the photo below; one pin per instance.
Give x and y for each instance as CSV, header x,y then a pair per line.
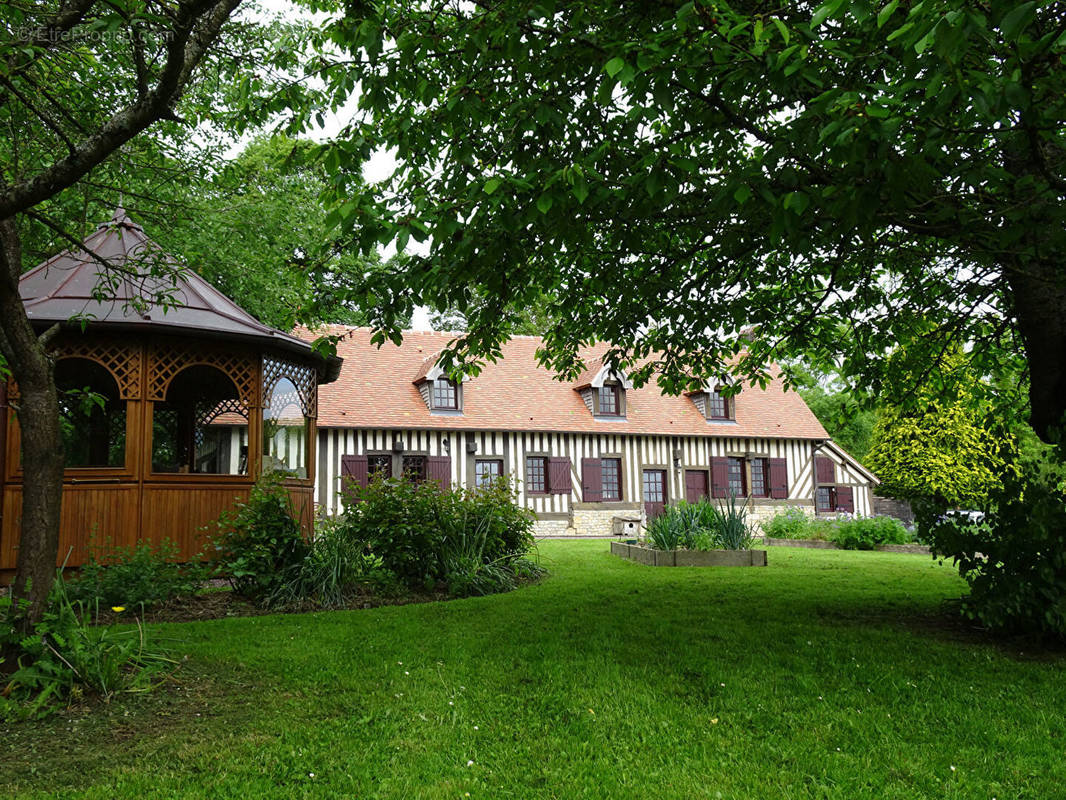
x,y
689,558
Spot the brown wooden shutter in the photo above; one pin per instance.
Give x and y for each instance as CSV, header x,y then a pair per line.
x,y
559,481
824,470
719,477
846,499
591,480
778,478
439,469
354,474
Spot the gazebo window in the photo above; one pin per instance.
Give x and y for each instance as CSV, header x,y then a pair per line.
x,y
92,415
201,427
286,431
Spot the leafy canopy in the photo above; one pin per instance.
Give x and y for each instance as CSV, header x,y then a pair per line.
x,y
942,449
671,173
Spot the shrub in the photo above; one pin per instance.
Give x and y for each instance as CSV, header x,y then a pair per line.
x,y
260,540
865,533
68,657
792,523
426,536
1013,559
139,576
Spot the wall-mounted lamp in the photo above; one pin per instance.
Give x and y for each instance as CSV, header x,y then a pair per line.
x,y
677,459
471,447
447,446
397,444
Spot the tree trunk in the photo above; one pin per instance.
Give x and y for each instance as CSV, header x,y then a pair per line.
x,y
1038,290
42,447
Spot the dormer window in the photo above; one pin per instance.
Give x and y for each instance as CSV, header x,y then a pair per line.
x,y
440,393
445,395
609,402
603,389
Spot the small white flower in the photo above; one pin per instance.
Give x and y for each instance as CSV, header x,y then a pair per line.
x,y
451,703
952,767
475,727
470,763
310,774
405,672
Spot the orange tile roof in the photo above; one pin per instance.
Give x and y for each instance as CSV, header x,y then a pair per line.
x,y
376,390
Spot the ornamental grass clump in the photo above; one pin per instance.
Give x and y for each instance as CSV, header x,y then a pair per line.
x,y
700,526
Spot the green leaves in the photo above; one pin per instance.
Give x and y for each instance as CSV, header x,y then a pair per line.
x,y
614,66
491,185
1015,21
886,12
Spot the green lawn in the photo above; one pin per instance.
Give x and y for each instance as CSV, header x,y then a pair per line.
x,y
830,674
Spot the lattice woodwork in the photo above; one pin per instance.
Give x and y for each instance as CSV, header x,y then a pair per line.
x,y
167,359
207,414
303,377
121,359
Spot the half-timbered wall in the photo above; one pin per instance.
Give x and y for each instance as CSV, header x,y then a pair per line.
x,y
636,452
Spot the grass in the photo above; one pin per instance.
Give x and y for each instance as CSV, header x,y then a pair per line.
x,y
830,674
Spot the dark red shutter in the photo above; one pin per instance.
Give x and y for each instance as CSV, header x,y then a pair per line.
x,y
439,469
846,499
824,470
591,480
719,477
559,481
353,475
778,478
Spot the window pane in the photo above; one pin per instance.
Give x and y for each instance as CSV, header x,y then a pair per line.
x,y
379,466
736,476
824,498
285,431
414,468
612,478
444,394
718,406
536,475
654,490
758,477
92,417
201,427
486,472
608,400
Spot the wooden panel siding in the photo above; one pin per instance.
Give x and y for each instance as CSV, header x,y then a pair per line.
x,y
637,453
174,512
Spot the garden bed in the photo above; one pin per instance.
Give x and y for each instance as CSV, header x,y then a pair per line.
x,y
818,544
689,558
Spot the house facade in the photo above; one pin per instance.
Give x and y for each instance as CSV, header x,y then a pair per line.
x,y
589,454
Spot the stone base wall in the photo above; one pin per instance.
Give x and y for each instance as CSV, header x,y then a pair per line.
x,y
552,527
759,512
597,522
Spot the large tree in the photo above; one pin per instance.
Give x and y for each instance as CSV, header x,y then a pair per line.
x,y
840,174
80,81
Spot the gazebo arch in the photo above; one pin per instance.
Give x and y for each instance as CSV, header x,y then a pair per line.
x,y
219,444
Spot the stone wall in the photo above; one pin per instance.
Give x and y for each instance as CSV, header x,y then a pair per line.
x,y
887,507
760,512
552,527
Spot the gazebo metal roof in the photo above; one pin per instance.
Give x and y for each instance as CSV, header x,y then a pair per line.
x,y
145,290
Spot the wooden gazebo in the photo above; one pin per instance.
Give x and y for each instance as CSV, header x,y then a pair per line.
x,y
174,400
